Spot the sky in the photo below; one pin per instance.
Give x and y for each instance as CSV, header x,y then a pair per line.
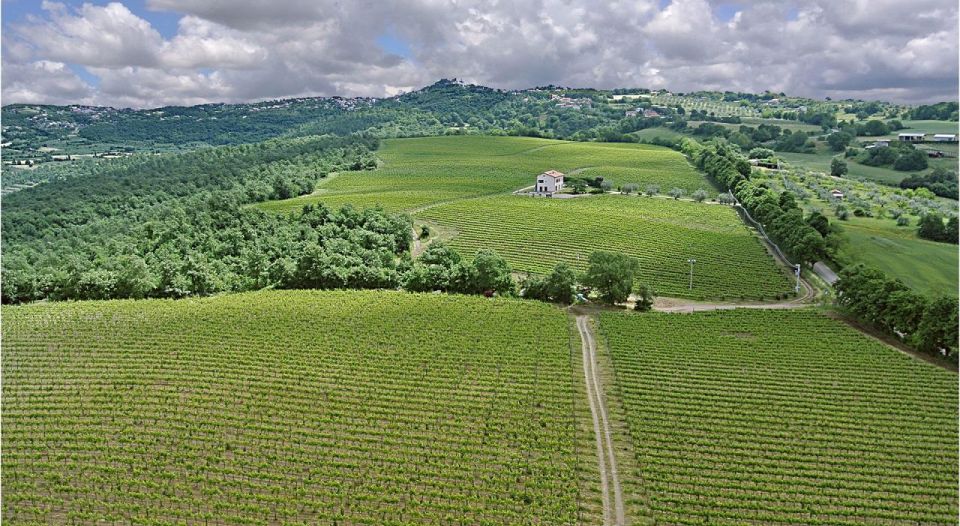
x,y
149,53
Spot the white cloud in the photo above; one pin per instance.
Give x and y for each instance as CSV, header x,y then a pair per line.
x,y
249,49
43,81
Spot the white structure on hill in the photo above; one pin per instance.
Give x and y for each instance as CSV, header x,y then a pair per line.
x,y
944,137
549,182
911,137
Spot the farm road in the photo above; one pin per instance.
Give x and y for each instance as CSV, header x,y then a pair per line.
x,y
601,427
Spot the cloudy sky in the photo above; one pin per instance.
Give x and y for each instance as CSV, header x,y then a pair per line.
x,y
147,53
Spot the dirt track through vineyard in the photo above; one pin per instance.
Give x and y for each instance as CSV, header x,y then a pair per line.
x,y
601,426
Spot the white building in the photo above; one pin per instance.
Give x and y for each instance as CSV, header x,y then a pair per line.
x,y
944,137
836,194
911,137
549,182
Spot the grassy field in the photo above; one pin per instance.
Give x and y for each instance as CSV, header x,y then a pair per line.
x,y
289,408
423,171
912,126
783,417
927,266
534,234
820,162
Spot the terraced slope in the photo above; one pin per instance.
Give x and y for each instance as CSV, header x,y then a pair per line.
x,y
421,171
783,417
289,408
534,234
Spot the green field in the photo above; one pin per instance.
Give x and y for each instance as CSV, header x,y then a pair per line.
x,y
926,266
534,234
289,408
423,171
820,162
783,417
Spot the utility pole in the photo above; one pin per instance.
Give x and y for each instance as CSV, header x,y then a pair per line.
x,y
691,261
797,272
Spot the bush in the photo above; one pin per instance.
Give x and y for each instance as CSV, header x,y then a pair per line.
x,y
629,188
699,195
644,298
903,220
652,190
911,160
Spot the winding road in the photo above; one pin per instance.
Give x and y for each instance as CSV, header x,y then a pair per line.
x,y
606,457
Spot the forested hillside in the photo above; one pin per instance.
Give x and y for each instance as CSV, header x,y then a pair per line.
x,y
175,225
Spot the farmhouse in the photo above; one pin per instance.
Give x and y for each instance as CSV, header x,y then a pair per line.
x,y
630,113
650,114
549,182
911,137
944,137
837,194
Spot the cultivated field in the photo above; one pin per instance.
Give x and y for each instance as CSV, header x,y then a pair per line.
x,y
289,408
423,171
783,417
534,234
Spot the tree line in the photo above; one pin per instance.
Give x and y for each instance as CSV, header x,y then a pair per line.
x,y
930,325
804,238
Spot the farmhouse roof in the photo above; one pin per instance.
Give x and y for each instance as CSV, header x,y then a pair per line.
x,y
944,136
553,173
912,134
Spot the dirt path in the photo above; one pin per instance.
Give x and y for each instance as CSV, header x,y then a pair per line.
x,y
601,426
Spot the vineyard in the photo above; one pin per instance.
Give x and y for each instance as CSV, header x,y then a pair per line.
x,y
783,417
534,234
289,408
422,171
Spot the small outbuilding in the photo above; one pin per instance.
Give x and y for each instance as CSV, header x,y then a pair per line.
x,y
549,182
836,193
911,137
945,137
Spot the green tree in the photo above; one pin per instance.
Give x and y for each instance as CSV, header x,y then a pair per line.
x,y
874,128
937,331
838,167
644,298
492,273
819,222
911,160
761,153
560,283
676,193
931,227
699,195
839,141
612,274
